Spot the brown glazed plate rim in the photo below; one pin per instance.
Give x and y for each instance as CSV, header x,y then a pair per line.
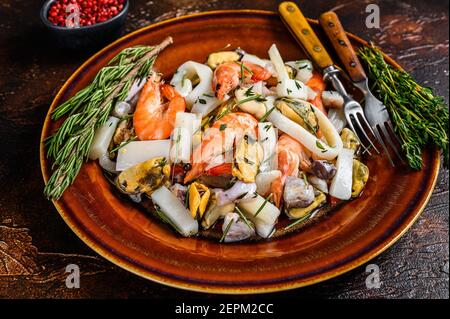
x,y
210,287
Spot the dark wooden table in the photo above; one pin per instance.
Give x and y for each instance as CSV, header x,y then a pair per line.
x,y
36,245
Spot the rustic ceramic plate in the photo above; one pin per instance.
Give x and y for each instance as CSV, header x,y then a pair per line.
x,y
124,234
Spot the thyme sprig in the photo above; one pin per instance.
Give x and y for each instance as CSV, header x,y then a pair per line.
x,y
89,109
420,118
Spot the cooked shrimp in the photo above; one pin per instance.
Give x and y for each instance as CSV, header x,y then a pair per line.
x,y
317,84
219,138
153,118
291,156
227,75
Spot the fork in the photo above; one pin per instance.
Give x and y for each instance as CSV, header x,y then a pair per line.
x,y
302,31
376,113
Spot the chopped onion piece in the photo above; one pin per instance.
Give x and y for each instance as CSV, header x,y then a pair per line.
x,y
174,212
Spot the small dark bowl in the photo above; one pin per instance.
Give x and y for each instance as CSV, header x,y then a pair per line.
x,y
86,36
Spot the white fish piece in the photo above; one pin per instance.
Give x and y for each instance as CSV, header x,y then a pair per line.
x,y
137,152
183,85
102,138
341,184
175,212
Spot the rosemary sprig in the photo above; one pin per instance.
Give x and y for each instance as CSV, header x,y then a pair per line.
x,y
257,97
89,109
123,144
266,115
263,205
241,214
298,221
420,119
227,229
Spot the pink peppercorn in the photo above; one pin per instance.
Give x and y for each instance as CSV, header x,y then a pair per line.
x,y
91,11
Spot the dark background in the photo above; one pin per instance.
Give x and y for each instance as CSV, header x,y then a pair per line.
x,y
36,245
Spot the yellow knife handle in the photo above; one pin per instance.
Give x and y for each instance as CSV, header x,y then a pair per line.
x,y
344,49
302,31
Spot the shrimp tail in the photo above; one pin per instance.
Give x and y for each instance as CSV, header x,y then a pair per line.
x,y
196,170
276,188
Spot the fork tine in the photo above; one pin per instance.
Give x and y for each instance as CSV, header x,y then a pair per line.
x,y
380,139
362,129
350,123
388,138
391,127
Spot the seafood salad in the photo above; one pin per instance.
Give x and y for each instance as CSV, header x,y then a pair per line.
x,y
234,144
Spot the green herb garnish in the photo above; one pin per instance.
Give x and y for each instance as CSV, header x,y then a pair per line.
x,y
266,115
320,146
222,127
227,229
420,119
123,144
89,109
256,97
243,217
263,204
298,221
